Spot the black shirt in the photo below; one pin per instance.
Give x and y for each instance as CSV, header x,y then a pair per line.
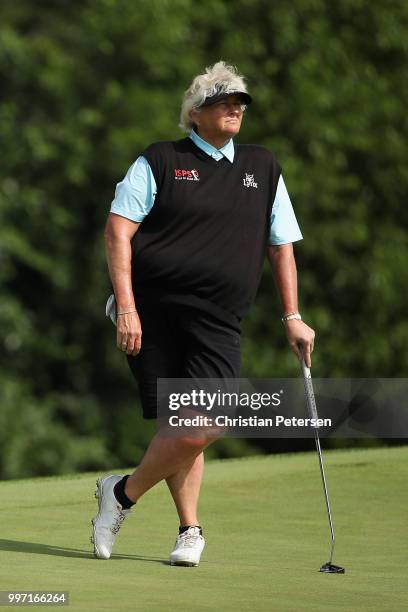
x,y
205,239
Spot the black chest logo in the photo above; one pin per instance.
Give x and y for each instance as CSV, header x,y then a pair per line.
x,y
249,181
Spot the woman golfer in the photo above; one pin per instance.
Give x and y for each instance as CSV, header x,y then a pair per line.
x,y
186,239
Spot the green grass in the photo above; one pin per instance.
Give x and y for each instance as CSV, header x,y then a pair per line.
x,y
266,529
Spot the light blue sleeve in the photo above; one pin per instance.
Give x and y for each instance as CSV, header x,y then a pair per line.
x,y
135,195
284,226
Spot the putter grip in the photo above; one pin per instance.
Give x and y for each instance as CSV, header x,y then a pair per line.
x,y
311,402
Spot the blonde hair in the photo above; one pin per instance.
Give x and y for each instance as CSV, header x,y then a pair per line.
x,y
219,78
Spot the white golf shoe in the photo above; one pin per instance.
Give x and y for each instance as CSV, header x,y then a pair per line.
x,y
109,519
188,548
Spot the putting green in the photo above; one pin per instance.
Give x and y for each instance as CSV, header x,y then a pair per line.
x,y
266,529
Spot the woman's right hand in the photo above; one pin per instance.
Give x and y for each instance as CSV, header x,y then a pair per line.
x,y
129,333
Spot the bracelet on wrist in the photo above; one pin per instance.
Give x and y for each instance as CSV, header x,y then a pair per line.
x,y
291,316
126,312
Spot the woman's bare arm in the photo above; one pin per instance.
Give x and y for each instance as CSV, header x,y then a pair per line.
x,y
119,232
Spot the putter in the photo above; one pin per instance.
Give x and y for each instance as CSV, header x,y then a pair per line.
x,y
328,567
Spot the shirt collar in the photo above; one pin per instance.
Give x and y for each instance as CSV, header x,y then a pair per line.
x,y
226,151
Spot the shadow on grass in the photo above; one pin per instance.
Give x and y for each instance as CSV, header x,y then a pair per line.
x,y
60,551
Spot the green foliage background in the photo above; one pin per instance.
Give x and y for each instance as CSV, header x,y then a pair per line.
x,y
85,86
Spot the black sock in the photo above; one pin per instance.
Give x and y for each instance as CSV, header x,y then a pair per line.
x,y
119,492
185,527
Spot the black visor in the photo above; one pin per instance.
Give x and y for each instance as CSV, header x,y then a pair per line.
x,y
246,98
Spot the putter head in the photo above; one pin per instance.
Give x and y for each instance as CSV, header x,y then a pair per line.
x,y
329,568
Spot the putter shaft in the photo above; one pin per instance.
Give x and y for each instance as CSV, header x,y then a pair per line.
x,y
311,405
